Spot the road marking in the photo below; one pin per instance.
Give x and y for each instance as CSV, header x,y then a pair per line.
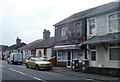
x,y
89,79
2,66
27,74
17,71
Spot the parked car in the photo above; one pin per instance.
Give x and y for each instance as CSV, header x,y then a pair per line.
x,y
15,58
38,63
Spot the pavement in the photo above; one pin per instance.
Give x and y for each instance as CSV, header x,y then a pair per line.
x,y
65,70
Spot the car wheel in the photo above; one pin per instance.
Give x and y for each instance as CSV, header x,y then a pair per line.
x,y
27,65
37,67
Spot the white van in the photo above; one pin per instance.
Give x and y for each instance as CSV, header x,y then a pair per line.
x,y
15,58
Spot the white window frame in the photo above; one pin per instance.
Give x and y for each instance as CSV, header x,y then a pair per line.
x,y
109,23
88,27
61,60
95,54
109,51
91,51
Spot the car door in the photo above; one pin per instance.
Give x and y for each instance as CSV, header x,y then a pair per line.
x,y
32,63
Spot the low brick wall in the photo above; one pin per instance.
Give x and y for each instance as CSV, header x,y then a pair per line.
x,y
103,71
61,64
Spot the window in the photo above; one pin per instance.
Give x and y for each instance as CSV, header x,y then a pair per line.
x,y
61,56
63,32
114,22
93,55
77,29
114,52
92,30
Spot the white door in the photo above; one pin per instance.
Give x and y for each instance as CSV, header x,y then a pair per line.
x,y
93,58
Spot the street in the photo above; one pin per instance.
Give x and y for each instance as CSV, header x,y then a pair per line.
x,y
20,72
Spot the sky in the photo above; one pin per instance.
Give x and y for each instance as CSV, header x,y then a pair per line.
x,y
27,19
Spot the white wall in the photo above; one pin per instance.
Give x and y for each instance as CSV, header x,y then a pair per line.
x,y
103,29
26,53
49,52
37,51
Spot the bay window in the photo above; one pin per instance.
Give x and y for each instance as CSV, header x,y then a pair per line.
x,y
114,51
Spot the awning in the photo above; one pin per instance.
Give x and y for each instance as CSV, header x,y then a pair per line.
x,y
109,38
65,47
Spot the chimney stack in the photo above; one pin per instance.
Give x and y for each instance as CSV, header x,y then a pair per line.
x,y
46,34
18,41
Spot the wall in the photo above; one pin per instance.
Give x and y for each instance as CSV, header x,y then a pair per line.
x,y
102,24
42,52
49,53
26,53
103,29
37,51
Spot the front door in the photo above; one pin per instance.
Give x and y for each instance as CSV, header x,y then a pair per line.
x,y
69,59
93,58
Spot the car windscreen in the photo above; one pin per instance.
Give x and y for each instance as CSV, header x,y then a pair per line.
x,y
39,59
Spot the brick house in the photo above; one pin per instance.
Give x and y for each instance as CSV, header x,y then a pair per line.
x,y
69,34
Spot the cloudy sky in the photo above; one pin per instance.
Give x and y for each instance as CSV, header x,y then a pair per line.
x,y
27,19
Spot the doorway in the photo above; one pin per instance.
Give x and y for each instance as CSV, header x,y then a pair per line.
x,y
69,57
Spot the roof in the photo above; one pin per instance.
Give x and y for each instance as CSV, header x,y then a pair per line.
x,y
112,37
45,43
109,7
112,6
41,43
28,46
16,46
75,16
3,47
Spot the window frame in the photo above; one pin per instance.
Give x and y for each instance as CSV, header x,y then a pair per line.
x,y
93,49
64,55
112,47
108,21
63,32
88,26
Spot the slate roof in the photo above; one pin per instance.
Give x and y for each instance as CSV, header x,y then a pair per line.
x,y
41,43
109,7
16,46
3,47
112,6
75,16
112,37
45,43
28,46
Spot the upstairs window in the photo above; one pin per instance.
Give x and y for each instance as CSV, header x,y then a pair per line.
x,y
92,30
114,22
63,32
77,29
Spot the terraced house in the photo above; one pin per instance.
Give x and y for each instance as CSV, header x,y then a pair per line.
x,y
69,34
103,36
97,28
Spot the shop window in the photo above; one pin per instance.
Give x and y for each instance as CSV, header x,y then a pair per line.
x,y
61,56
